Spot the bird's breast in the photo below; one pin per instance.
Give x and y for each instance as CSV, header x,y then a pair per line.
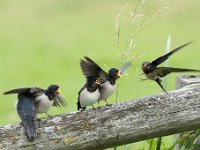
x,y
89,98
152,75
43,104
107,90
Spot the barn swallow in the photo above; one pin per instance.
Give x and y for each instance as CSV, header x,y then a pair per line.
x,y
92,69
89,93
45,98
32,101
152,72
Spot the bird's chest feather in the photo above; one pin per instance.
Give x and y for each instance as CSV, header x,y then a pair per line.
x,y
107,90
43,104
152,75
89,98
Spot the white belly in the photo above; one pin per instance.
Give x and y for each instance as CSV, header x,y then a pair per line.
x,y
44,104
152,76
87,98
107,90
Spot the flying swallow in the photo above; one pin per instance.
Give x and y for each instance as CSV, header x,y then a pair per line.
x,y
152,72
89,94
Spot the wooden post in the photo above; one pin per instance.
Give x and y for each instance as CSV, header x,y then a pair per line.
x,y
182,81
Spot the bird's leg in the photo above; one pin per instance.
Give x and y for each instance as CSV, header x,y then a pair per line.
x,y
142,76
98,103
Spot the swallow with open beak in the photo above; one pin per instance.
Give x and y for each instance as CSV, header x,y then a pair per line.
x,y
92,69
89,94
152,72
32,101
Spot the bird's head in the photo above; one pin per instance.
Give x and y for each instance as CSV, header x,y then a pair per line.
x,y
53,90
114,73
147,67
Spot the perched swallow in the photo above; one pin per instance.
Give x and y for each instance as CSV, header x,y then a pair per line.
x,y
92,69
44,98
32,101
89,93
153,72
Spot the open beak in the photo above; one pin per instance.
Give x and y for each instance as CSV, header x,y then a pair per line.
x,y
118,74
58,91
97,82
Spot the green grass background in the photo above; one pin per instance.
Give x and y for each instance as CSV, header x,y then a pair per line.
x,y
42,42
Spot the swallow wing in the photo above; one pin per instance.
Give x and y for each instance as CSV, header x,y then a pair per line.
x,y
163,71
90,68
161,59
59,101
32,90
18,91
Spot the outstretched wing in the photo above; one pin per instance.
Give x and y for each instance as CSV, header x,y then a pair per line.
x,y
92,69
161,59
163,71
18,91
59,101
35,91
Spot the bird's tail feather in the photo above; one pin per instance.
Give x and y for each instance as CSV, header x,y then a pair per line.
x,y
30,129
78,105
158,80
184,70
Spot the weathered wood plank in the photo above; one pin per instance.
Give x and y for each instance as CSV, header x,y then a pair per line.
x,y
181,82
113,125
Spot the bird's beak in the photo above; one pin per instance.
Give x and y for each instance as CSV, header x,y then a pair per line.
x,y
97,82
118,74
58,91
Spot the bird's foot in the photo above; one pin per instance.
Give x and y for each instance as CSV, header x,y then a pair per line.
x,y
106,103
82,109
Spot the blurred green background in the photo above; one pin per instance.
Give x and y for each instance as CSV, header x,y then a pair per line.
x,y
42,42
